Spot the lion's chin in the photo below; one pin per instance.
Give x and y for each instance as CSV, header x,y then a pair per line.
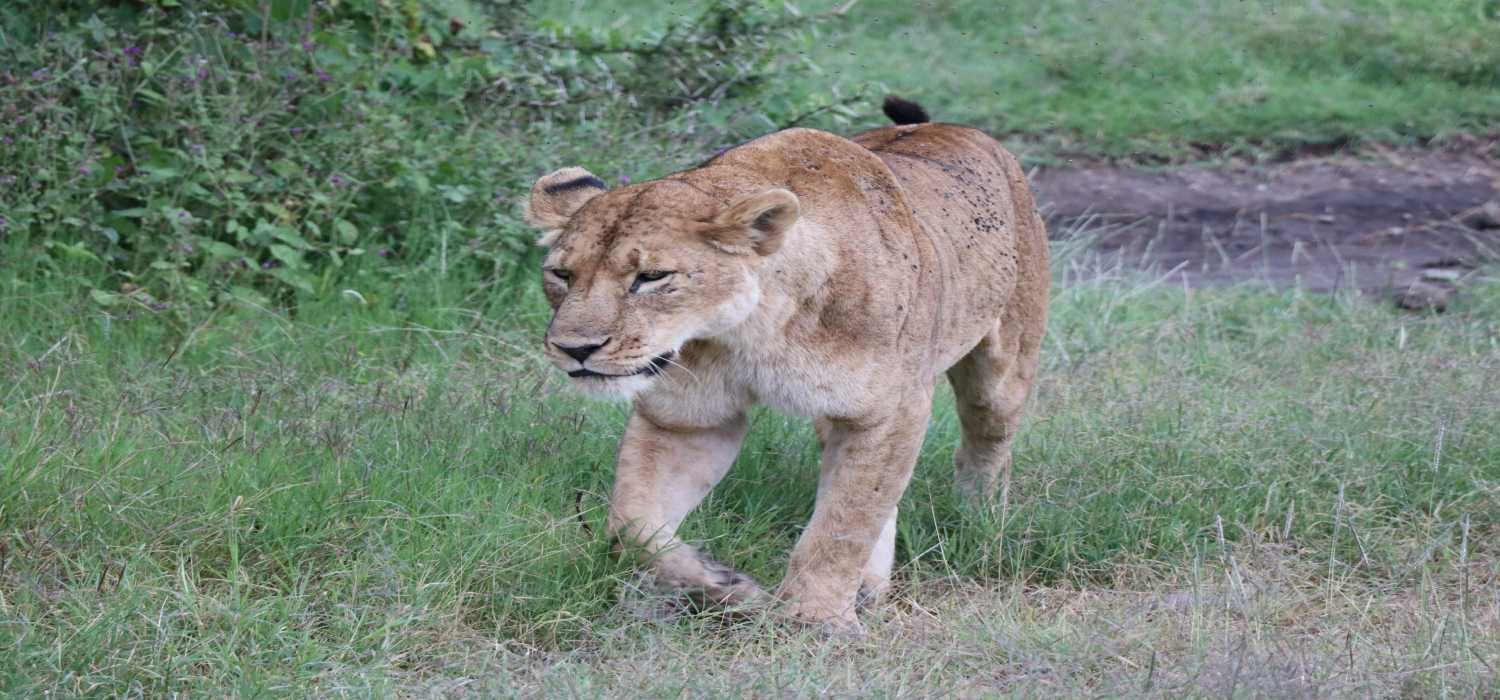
x,y
612,388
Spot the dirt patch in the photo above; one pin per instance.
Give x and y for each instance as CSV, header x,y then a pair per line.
x,y
1379,222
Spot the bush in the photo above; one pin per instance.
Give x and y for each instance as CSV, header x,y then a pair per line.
x,y
164,156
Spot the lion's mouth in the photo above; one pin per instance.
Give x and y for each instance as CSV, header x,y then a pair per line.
x,y
654,367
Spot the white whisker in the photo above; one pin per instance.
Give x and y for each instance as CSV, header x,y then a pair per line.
x,y
685,368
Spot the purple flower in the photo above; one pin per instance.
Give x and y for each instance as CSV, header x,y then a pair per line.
x,y
338,180
196,148
7,140
624,179
131,51
85,170
270,265
296,131
384,253
323,76
4,224
39,74
308,45
119,171
184,215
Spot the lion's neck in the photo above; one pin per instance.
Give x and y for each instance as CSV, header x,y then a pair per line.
x,y
803,264
791,283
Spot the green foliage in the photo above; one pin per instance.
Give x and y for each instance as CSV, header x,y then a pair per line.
x,y
162,155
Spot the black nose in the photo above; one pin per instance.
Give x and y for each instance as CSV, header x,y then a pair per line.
x,y
580,352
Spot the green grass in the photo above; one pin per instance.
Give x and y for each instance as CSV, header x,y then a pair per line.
x,y
373,500
1159,80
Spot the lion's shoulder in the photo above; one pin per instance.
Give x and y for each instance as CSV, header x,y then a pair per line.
x,y
823,169
934,141
797,150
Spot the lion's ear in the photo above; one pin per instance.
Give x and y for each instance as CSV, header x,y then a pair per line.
x,y
758,221
556,197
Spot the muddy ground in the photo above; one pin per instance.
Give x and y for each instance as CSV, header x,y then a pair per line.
x,y
1379,221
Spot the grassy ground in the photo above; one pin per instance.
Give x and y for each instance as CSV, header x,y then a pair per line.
x,y
1161,79
1240,489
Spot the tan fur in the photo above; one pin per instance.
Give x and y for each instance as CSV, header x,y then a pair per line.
x,y
826,277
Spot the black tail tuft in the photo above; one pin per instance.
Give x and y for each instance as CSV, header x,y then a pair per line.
x,y
904,111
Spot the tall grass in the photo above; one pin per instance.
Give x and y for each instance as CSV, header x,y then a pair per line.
x,y
273,504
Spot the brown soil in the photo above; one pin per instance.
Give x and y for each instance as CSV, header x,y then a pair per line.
x,y
1380,222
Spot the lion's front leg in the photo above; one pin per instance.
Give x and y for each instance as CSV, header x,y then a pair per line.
x,y
866,468
661,476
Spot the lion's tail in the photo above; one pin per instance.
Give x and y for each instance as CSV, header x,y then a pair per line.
x,y
904,111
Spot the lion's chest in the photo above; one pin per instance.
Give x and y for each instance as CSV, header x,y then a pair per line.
x,y
805,389
803,381
802,362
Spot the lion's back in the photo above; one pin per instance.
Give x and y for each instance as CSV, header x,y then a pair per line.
x,y
935,229
971,198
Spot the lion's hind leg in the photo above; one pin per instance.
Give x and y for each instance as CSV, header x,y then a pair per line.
x,y
991,385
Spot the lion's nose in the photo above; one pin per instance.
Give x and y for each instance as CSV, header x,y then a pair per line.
x,y
581,352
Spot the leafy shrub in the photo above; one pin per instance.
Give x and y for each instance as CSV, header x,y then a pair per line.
x,y
159,155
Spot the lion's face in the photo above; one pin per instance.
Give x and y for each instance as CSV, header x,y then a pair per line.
x,y
634,274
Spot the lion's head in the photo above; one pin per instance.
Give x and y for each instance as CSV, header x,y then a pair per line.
x,y
633,274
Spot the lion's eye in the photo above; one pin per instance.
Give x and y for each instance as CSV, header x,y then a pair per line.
x,y
648,277
563,275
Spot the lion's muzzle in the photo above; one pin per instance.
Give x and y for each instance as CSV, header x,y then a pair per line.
x,y
652,368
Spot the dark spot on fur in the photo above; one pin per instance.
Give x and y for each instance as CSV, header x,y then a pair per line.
x,y
987,224
575,184
723,575
607,241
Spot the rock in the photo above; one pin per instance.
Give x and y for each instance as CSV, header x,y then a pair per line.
x,y
1440,274
1483,217
1425,296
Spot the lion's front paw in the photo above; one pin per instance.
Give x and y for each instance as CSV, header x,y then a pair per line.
x,y
726,587
826,622
742,594
827,617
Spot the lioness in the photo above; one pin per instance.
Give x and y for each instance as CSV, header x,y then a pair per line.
x,y
826,277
